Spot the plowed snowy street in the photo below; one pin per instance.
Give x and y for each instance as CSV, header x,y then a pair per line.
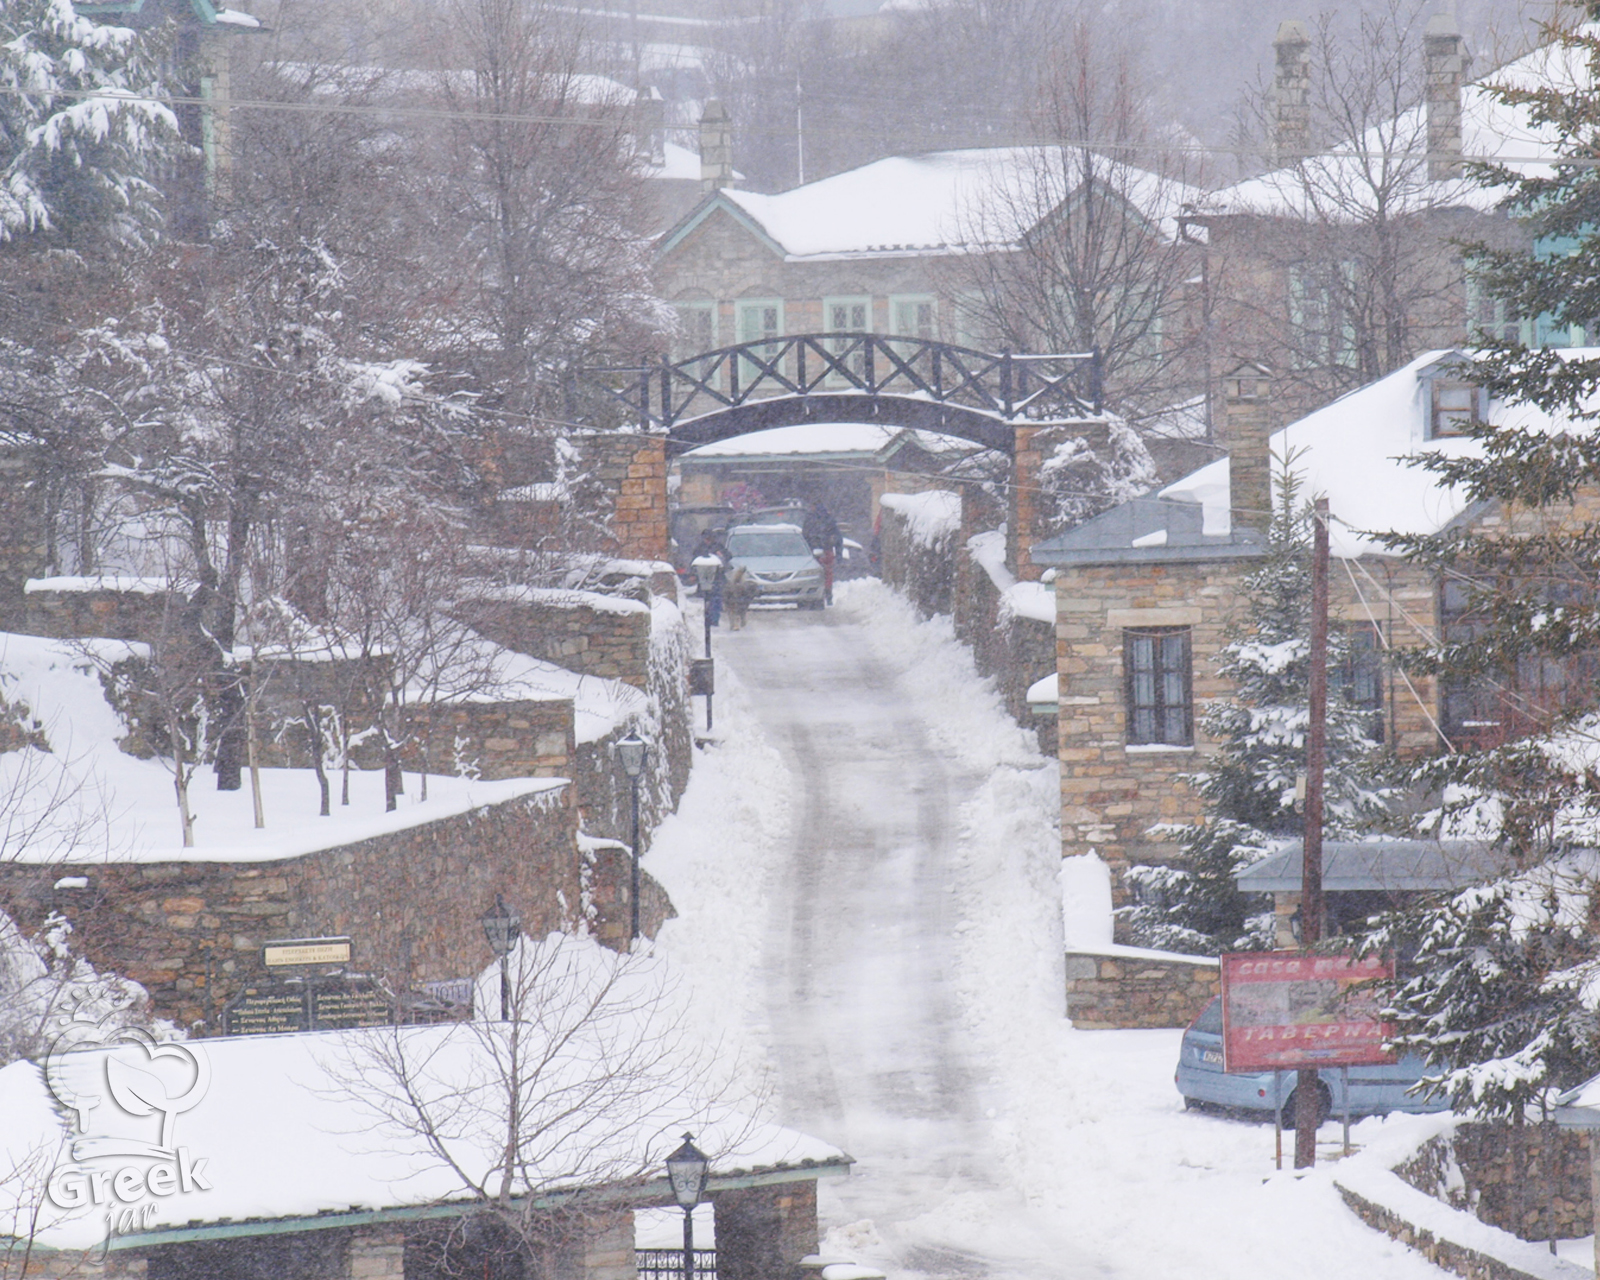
x,y
866,873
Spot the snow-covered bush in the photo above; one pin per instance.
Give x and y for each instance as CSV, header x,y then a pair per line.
x,y
45,989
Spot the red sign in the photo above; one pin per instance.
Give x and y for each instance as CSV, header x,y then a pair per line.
x,y
1282,1010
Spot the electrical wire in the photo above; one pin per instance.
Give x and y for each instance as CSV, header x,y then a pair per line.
x,y
612,121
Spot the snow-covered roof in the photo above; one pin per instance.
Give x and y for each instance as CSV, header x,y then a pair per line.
x,y
941,202
1339,186
299,1126
1360,453
1378,864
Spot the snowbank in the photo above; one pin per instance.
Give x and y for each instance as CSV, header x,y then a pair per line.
x,y
930,517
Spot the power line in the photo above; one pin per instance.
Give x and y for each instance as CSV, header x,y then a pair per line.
x,y
614,121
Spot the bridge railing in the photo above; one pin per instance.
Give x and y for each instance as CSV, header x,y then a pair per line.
x,y
1007,385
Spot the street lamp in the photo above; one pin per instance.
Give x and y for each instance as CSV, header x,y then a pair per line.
x,y
502,927
631,752
687,1168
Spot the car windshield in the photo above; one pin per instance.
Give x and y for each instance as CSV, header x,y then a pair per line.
x,y
776,543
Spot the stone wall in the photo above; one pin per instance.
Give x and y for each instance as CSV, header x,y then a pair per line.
x,y
190,932
1110,990
918,562
1532,1180
1471,1264
583,631
113,612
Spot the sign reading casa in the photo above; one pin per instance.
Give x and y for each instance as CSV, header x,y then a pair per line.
x,y
1283,1010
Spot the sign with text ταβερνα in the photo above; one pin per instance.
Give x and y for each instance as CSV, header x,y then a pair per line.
x,y
1284,1010
293,951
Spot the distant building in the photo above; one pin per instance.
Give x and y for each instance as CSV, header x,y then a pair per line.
x,y
882,249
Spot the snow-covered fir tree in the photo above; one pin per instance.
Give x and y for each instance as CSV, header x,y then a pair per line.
x,y
1505,987
81,127
1249,786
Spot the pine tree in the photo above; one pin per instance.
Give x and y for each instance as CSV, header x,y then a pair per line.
x,y
1250,786
1504,984
81,129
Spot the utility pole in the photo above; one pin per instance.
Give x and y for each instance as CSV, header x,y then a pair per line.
x,y
1307,1086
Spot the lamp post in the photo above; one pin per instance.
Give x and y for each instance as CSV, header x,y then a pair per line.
x,y
502,927
631,752
687,1168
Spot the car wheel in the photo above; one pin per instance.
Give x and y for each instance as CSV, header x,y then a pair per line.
x,y
1324,1106
811,604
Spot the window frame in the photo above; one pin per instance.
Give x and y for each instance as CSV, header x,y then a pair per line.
x,y
1164,734
857,362
898,300
741,308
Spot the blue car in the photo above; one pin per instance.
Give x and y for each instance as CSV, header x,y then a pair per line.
x,y
1373,1090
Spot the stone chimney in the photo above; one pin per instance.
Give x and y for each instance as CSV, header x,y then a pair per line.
x,y
1247,394
1291,93
716,148
1445,61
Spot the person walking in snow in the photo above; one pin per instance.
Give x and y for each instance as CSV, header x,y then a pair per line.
x,y
822,534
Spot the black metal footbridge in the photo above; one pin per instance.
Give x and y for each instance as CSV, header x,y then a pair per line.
x,y
854,377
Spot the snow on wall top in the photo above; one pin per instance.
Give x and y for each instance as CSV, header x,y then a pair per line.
x,y
1359,452
294,1125
1336,187
945,201
141,586
930,517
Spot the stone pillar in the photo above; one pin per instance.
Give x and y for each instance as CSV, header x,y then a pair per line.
x,y
1445,62
376,1253
1291,93
1029,518
631,471
604,1250
1247,433
763,1232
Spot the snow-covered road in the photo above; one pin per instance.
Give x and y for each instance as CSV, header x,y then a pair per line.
x,y
866,869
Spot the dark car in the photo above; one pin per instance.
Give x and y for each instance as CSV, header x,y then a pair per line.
x,y
1373,1090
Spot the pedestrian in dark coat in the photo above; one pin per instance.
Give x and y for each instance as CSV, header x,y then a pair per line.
x,y
712,547
821,532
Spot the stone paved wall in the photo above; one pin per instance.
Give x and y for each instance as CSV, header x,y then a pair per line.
x,y
1532,1180
190,932
1116,991
583,631
76,615
1445,1254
